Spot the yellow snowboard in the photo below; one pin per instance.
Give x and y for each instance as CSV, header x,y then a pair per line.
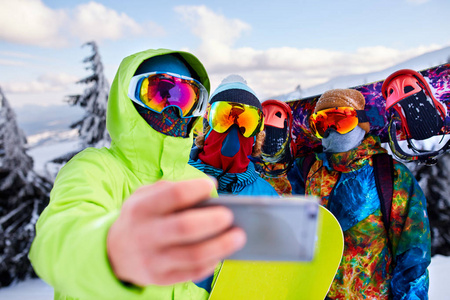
x,y
258,280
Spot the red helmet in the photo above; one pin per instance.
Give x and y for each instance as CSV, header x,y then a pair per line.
x,y
404,83
278,145
276,112
413,108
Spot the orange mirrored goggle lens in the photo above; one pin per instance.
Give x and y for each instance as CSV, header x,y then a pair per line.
x,y
223,115
341,119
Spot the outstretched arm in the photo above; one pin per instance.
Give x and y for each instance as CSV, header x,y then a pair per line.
x,y
93,235
158,240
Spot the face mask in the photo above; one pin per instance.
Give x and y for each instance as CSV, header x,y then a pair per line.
x,y
228,151
275,145
168,122
336,142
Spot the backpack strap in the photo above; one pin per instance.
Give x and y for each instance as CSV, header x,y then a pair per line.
x,y
308,161
383,165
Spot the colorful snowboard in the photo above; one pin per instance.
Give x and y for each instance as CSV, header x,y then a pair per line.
x,y
437,77
252,280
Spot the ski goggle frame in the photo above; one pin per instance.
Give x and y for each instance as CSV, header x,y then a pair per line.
x,y
158,90
342,119
223,114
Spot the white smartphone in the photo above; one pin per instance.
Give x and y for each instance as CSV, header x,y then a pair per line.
x,y
278,229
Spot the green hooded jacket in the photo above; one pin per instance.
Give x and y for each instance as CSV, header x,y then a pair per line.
x,y
69,251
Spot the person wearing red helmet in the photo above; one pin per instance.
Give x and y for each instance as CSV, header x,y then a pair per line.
x,y
411,106
277,152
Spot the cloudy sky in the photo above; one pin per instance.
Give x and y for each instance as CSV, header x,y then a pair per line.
x,y
275,45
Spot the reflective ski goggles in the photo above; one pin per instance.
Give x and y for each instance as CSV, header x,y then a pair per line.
x,y
157,91
222,115
341,119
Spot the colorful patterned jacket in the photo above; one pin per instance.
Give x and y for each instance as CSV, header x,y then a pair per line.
x,y
374,266
279,182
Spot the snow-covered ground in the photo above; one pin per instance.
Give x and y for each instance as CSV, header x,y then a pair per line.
x,y
36,289
48,145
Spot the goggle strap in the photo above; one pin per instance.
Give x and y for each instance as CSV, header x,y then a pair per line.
x,y
241,96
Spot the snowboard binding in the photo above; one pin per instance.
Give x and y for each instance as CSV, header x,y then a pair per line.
x,y
414,110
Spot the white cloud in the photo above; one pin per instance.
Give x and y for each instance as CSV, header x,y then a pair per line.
x,y
94,21
216,32
31,22
45,83
278,70
212,27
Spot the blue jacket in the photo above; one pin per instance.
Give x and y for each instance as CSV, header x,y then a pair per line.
x,y
247,183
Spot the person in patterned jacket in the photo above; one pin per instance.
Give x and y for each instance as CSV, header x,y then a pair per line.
x,y
377,263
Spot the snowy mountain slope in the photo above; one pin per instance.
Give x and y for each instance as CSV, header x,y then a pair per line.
x,y
421,62
35,119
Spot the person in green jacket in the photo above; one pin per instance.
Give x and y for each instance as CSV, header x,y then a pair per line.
x,y
119,224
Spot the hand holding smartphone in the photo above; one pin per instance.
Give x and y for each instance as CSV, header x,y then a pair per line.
x,y
278,229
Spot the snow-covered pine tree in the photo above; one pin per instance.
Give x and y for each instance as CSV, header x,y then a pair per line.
x,y
435,181
23,196
92,128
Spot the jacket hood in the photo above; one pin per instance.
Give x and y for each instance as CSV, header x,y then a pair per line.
x,y
137,144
